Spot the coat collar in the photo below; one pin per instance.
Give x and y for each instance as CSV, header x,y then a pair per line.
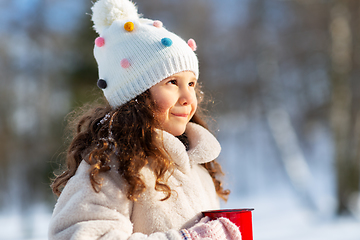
x,y
203,147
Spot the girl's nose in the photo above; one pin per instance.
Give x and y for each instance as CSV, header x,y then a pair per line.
x,y
187,97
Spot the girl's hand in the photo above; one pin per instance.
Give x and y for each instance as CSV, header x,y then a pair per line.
x,y
219,229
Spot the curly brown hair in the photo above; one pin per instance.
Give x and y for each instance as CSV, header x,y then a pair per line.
x,y
126,133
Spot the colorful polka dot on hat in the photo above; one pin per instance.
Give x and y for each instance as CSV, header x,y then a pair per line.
x,y
135,53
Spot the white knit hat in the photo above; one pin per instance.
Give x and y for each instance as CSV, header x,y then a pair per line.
x,y
134,53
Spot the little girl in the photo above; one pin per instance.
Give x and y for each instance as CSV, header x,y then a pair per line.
x,y
141,166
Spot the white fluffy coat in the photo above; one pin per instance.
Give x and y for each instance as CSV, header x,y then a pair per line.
x,y
81,213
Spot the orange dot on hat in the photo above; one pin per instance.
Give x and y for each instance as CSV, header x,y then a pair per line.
x,y
129,26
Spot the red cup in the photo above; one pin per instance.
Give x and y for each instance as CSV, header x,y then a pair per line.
x,y
240,217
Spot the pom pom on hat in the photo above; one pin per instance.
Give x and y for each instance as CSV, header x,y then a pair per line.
x,y
105,12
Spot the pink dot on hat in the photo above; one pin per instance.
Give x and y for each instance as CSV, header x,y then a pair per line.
x,y
99,41
125,63
192,44
157,24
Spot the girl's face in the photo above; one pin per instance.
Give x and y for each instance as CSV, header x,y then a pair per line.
x,y
175,101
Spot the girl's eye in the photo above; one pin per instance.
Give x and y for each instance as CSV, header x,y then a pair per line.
x,y
172,82
192,84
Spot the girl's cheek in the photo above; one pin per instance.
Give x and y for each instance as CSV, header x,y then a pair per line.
x,y
160,112
164,104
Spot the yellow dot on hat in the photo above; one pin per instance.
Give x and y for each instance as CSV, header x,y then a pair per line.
x,y
129,26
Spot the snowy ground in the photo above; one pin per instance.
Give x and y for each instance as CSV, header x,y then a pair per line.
x,y
30,226
281,218
274,218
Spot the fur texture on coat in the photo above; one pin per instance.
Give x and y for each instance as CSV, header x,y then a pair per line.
x,y
81,213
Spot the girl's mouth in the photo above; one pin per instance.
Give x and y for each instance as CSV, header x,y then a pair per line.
x,y
180,114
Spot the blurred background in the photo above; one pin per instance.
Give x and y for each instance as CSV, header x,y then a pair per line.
x,y
283,79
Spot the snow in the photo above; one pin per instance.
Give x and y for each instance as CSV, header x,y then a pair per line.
x,y
276,217
281,217
31,225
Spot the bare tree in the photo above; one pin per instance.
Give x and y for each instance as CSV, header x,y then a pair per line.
x,y
344,108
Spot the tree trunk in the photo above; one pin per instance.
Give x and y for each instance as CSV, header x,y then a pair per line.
x,y
342,120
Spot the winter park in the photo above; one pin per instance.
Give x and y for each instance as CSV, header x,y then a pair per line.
x,y
281,91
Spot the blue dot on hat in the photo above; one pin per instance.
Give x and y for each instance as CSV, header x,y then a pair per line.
x,y
166,42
